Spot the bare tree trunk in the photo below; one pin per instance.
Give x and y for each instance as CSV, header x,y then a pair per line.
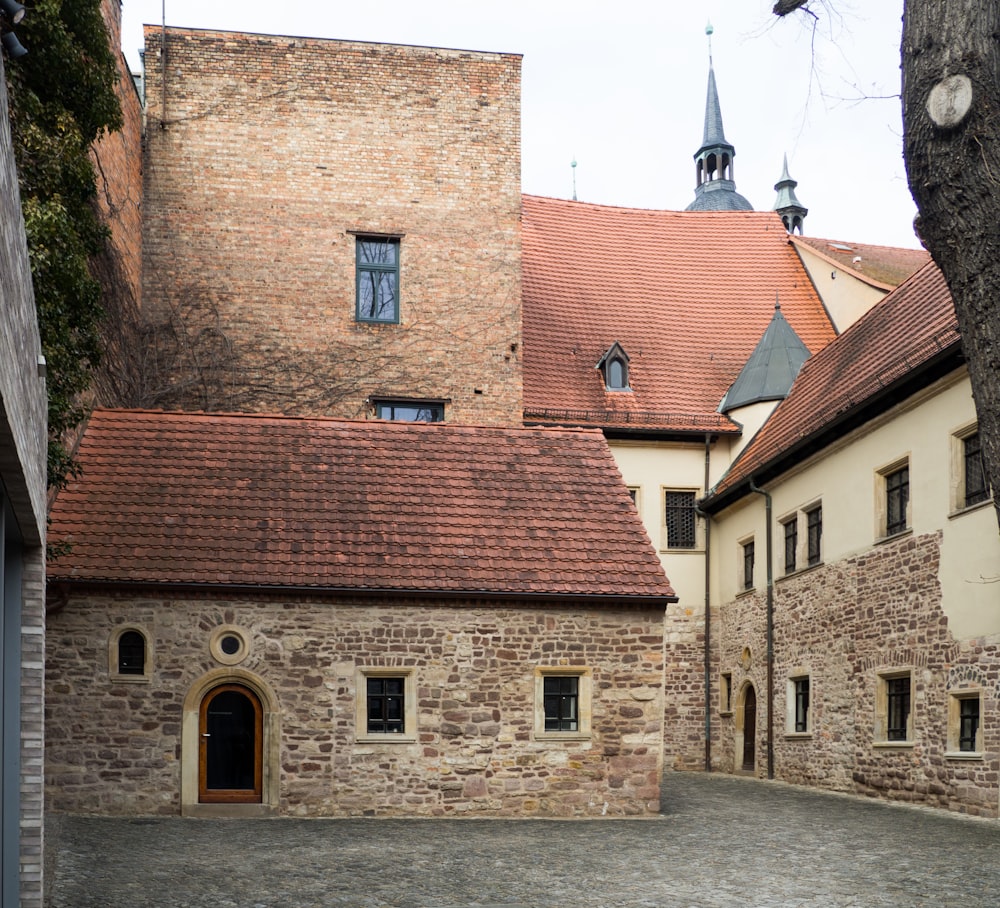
x,y
951,118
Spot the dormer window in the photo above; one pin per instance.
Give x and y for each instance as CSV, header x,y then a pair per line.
x,y
614,368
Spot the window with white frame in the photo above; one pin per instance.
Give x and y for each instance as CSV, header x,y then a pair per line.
x,y
385,704
562,702
798,712
893,707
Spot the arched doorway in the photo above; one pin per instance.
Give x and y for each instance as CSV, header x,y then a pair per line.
x,y
230,749
749,729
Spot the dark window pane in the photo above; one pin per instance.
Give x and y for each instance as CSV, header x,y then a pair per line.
x,y
561,698
748,564
231,751
897,496
898,695
680,519
386,705
791,544
802,704
405,412
617,378
131,653
968,723
814,524
975,473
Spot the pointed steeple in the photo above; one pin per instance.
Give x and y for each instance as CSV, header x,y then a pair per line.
x,y
715,189
792,211
771,368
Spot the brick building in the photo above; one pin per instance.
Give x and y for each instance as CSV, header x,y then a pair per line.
x,y
263,615
332,228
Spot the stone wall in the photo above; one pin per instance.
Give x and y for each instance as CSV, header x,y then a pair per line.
x,y
115,747
266,157
22,534
842,624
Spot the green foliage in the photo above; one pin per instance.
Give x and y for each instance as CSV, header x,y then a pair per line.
x,y
62,98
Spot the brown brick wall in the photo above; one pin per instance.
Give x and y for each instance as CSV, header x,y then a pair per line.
x,y
843,623
264,154
114,747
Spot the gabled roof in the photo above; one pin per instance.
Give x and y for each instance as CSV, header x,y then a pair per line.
x,y
884,267
905,341
687,294
772,367
312,504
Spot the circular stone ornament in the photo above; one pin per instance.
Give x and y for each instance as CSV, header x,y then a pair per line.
x,y
950,100
229,644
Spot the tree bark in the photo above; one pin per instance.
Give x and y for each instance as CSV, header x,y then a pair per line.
x,y
953,167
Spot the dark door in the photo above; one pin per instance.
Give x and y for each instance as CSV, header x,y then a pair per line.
x,y
229,765
749,728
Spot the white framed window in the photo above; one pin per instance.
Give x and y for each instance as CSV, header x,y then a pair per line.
x,y
563,702
385,704
965,732
798,705
894,707
130,655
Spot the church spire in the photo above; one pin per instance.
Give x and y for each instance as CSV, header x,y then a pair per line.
x,y
792,211
715,189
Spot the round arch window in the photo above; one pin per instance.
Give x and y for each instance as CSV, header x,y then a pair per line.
x,y
229,644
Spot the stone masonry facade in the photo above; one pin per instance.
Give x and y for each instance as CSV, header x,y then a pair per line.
x,y
843,625
266,158
115,746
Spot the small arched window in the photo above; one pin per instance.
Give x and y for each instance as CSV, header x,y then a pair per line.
x,y
131,653
614,368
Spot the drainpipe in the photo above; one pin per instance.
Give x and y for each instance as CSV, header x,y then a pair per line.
x,y
770,629
708,616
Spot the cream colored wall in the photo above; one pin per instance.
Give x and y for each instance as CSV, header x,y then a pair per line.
x,y
845,479
845,296
751,417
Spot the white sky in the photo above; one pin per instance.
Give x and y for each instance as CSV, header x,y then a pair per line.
x,y
621,87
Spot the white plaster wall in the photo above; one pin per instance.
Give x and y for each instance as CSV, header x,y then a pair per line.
x,y
845,296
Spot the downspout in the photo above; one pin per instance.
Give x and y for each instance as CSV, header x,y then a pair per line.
x,y
708,615
770,629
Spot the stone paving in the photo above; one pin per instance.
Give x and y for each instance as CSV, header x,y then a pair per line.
x,y
721,842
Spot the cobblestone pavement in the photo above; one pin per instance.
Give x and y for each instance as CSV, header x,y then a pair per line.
x,y
722,842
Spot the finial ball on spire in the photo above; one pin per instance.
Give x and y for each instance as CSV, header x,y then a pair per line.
x,y
709,30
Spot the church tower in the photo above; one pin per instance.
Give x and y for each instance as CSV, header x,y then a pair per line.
x,y
792,211
715,189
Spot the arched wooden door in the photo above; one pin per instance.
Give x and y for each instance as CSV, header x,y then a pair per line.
x,y
749,728
230,751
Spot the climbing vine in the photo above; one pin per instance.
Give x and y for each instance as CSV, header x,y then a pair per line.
x,y
62,98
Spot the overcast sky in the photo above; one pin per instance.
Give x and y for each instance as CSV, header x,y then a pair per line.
x,y
620,88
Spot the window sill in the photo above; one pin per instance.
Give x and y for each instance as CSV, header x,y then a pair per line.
x,y
742,594
385,739
894,745
726,713
563,736
900,535
797,735
684,551
131,679
964,755
978,506
798,572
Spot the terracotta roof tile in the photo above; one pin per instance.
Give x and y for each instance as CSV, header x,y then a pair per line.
x,y
885,267
687,294
908,328
188,498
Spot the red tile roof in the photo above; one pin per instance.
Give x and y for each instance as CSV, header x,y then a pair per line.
x,y
884,267
909,329
687,294
190,498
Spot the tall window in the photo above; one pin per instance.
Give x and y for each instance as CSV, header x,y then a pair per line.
x,y
562,703
377,266
680,515
791,528
801,692
976,489
748,564
968,724
898,708
897,497
814,535
131,653
386,705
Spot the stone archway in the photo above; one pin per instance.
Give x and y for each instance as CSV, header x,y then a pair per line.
x,y
266,804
